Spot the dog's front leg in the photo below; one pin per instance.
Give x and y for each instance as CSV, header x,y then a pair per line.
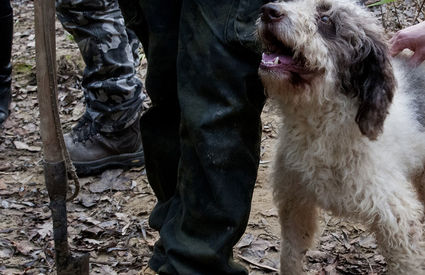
x,y
398,224
298,219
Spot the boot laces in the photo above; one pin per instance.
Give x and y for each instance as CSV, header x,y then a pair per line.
x,y
84,130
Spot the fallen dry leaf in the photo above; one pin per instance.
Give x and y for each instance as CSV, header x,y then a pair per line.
x,y
110,180
2,185
25,247
23,146
45,230
5,253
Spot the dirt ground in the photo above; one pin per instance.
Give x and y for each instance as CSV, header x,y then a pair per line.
x,y
108,219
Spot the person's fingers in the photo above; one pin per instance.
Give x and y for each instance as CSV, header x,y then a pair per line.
x,y
395,48
417,58
400,44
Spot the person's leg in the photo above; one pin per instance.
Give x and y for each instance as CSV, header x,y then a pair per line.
x,y
221,100
108,134
6,29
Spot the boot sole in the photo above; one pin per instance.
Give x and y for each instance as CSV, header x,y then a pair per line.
x,y
123,161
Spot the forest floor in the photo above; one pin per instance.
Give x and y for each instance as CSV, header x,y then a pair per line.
x,y
108,219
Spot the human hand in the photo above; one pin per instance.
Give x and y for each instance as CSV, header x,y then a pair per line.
x,y
412,38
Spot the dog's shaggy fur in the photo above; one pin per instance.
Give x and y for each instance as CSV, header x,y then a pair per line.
x,y
352,139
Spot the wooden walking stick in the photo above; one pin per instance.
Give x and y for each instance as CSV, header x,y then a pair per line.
x,y
55,154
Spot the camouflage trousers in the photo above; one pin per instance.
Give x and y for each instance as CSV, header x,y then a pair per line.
x,y
110,51
201,138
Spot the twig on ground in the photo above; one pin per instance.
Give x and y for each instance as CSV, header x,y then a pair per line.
x,y
266,267
399,25
419,11
383,18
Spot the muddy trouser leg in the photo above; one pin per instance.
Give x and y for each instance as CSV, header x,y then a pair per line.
x,y
216,126
6,30
112,90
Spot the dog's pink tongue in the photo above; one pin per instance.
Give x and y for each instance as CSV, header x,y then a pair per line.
x,y
284,64
272,59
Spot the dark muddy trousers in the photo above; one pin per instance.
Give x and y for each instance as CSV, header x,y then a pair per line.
x,y
202,135
6,29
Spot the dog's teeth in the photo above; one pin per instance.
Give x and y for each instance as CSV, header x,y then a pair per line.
x,y
276,61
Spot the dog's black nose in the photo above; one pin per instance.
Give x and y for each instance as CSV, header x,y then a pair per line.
x,y
272,12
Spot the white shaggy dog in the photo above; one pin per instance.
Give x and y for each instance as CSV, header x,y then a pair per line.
x,y
352,139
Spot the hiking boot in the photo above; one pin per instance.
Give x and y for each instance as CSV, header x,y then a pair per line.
x,y
93,151
6,28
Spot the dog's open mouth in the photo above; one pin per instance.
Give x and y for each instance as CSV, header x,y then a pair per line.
x,y
280,58
280,61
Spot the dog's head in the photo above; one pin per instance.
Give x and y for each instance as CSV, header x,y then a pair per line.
x,y
314,49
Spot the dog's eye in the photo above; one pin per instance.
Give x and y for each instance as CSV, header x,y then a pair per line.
x,y
325,19
326,26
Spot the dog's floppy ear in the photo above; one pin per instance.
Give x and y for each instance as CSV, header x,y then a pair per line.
x,y
372,81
